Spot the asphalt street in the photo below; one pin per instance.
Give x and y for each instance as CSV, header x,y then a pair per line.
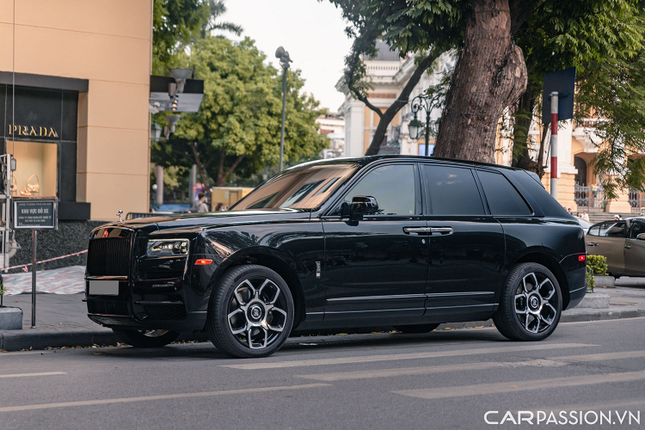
x,y
449,379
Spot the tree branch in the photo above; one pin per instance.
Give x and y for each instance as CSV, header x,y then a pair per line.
x,y
228,172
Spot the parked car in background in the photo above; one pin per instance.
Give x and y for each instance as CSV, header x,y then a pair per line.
x,y
407,242
584,224
622,242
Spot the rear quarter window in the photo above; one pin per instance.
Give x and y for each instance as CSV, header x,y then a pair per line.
x,y
502,197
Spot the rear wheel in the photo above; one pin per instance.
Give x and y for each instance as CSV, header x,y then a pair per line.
x,y
530,305
251,312
416,329
145,338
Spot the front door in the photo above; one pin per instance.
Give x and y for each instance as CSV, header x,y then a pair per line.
x,y
376,267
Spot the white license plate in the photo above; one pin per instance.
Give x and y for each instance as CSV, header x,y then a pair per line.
x,y
104,288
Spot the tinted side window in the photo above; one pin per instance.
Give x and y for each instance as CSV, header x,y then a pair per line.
x,y
613,229
453,191
393,187
503,198
637,228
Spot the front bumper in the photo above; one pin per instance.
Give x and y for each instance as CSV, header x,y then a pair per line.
x,y
145,308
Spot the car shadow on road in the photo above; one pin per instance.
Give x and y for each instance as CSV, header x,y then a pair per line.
x,y
309,345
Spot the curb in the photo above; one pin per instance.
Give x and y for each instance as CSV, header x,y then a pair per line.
x,y
17,340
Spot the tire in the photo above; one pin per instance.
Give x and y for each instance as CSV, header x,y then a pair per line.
x,y
530,305
145,338
416,329
250,313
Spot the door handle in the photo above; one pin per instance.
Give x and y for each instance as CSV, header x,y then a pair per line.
x,y
592,244
443,231
417,230
628,247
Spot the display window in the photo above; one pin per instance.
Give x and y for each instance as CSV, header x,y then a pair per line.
x,y
36,172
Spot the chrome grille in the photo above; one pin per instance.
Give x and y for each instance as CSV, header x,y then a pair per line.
x,y
108,257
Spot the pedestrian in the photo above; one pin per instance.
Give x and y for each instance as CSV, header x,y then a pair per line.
x,y
585,216
569,210
200,205
219,207
617,217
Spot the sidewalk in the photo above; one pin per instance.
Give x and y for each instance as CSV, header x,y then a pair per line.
x,y
61,315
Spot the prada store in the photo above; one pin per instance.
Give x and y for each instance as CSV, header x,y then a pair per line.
x,y
39,127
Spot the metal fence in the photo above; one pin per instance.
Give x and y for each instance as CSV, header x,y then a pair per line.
x,y
590,197
637,200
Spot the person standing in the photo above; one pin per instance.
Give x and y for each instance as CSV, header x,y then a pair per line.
x,y
585,216
200,205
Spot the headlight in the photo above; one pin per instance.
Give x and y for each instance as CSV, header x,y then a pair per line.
x,y
167,247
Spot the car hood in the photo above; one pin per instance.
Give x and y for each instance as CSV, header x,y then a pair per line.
x,y
208,220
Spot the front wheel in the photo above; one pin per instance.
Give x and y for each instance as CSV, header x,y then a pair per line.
x,y
251,312
530,305
145,338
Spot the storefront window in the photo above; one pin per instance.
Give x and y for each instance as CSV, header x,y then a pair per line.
x,y
36,170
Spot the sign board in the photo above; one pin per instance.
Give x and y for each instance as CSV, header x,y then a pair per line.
x,y
35,213
564,82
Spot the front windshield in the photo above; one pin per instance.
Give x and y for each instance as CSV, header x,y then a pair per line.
x,y
306,187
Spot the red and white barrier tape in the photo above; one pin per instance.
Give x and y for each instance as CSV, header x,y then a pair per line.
x,y
24,266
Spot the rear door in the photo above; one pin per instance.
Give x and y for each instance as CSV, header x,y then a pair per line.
x,y
466,244
635,249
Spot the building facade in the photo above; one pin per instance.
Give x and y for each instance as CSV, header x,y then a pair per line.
x,y
74,93
333,126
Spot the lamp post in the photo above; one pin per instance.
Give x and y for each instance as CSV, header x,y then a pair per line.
x,y
426,102
283,56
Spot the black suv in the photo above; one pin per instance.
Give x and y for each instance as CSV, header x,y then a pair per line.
x,y
407,242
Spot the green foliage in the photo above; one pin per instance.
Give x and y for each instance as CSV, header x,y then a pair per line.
x,y
600,38
591,282
238,124
596,265
177,23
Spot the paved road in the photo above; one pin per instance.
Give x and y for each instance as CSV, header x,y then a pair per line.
x,y
444,380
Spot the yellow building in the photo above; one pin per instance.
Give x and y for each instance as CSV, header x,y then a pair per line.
x,y
79,123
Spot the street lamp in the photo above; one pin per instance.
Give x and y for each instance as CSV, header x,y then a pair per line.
x,y
426,102
283,56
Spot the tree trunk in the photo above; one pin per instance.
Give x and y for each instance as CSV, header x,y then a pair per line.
x,y
490,75
200,168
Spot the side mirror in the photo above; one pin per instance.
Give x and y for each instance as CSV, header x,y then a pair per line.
x,y
640,236
362,205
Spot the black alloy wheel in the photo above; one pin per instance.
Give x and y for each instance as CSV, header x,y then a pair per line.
x,y
416,329
251,312
145,338
530,305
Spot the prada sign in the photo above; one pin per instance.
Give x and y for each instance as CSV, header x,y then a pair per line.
x,y
38,114
31,131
